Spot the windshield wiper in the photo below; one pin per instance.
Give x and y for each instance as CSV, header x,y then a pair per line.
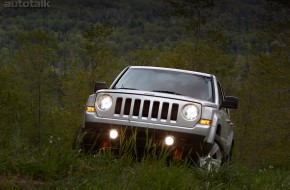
x,y
127,88
165,91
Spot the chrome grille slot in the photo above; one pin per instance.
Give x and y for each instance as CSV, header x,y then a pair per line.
x,y
174,112
155,109
164,111
118,106
152,110
146,106
136,108
127,106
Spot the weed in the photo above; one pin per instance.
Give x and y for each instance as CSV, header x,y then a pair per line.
x,y
53,164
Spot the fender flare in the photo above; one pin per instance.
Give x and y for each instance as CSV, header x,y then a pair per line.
x,y
213,129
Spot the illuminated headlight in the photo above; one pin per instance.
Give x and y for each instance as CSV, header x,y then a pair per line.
x,y
190,112
113,134
104,102
169,140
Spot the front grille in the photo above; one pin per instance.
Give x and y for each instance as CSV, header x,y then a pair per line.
x,y
152,110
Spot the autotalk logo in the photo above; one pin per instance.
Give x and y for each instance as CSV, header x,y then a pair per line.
x,y
27,4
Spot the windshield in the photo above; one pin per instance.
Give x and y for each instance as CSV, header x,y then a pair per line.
x,y
166,81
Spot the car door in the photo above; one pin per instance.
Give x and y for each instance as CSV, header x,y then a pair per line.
x,y
227,128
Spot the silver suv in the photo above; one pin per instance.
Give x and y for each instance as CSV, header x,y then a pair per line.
x,y
183,110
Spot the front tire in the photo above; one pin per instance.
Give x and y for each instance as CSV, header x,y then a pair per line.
x,y
216,156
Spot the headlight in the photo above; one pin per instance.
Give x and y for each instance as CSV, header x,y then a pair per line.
x,y
104,102
190,112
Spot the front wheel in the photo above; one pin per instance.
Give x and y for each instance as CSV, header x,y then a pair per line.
x,y
216,156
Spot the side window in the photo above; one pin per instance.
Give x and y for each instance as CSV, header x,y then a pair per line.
x,y
221,97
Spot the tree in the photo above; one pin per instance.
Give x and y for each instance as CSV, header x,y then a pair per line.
x,y
263,117
96,49
204,58
35,77
97,64
195,12
275,23
263,85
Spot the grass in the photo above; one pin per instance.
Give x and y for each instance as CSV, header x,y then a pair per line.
x,y
52,164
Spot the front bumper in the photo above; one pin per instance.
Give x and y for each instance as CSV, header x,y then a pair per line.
x,y
197,129
96,136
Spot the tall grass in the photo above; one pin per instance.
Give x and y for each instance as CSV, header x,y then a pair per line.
x,y
53,164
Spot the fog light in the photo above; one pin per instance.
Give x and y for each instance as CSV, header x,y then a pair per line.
x,y
113,134
169,140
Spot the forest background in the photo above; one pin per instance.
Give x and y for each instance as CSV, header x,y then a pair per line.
x,y
51,57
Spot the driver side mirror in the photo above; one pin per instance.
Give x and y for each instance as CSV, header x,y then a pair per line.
x,y
100,86
230,102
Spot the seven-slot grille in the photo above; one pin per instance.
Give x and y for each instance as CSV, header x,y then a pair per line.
x,y
153,110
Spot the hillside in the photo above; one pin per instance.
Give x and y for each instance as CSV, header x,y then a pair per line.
x,y
51,57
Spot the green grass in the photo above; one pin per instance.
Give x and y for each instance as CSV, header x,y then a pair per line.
x,y
52,164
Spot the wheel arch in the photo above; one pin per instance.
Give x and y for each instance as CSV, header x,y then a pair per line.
x,y
216,128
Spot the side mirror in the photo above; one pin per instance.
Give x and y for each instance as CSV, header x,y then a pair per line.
x,y
230,102
100,86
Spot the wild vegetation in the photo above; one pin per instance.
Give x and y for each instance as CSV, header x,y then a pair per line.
x,y
49,59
